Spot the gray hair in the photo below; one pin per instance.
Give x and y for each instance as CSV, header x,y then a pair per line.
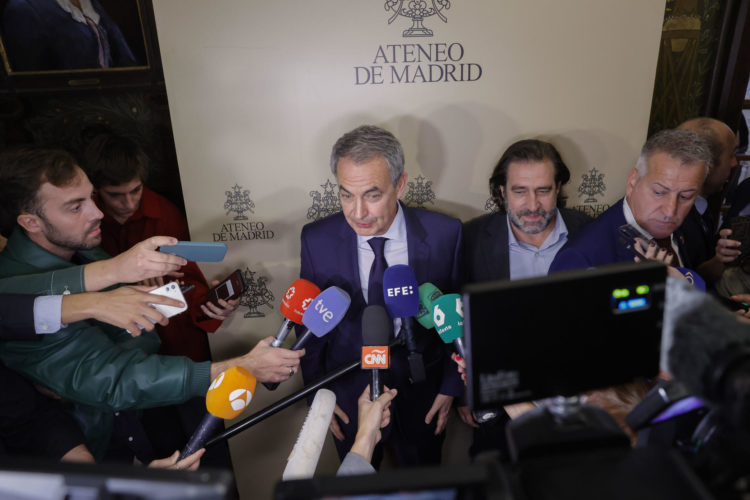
x,y
366,143
683,145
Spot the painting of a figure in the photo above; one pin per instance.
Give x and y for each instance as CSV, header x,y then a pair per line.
x,y
63,35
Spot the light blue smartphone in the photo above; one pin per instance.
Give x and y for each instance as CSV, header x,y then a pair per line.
x,y
197,251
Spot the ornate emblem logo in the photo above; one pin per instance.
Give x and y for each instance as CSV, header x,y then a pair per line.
x,y
417,11
325,203
256,294
420,192
592,184
239,202
490,205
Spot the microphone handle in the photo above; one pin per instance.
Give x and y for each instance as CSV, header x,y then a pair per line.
x,y
286,327
376,385
411,344
459,345
291,399
271,386
205,429
416,364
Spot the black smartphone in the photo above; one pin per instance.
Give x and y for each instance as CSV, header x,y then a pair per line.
x,y
231,288
740,227
629,234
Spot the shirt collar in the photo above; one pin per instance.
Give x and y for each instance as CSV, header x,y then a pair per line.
x,y
559,230
396,231
86,10
630,218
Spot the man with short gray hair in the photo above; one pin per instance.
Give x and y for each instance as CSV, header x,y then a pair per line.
x,y
350,249
659,193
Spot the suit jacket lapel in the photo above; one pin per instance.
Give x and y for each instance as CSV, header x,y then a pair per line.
x,y
346,254
496,254
419,250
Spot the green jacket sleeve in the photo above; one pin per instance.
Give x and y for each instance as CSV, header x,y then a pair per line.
x,y
47,283
81,363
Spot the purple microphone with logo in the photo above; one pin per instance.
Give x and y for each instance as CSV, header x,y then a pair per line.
x,y
401,295
321,316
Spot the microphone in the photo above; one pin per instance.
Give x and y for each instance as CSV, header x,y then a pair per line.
x,y
448,316
427,295
401,296
322,315
227,396
294,304
376,328
306,452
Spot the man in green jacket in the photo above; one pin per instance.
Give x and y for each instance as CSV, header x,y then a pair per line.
x,y
46,206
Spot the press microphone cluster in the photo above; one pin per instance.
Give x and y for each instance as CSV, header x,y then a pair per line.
x,y
322,315
228,396
297,298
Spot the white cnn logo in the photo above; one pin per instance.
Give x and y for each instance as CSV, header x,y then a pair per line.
x,y
376,359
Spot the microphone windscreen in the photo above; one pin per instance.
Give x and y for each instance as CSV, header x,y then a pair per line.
x,y
376,326
230,392
306,452
427,295
448,316
296,299
326,311
696,328
400,291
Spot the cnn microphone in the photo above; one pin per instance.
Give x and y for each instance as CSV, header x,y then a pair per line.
x,y
293,306
227,396
427,295
376,328
448,316
322,315
401,296
306,452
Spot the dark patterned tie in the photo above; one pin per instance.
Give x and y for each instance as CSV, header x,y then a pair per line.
x,y
379,265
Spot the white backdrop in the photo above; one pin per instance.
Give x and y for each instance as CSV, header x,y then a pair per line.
x,y
259,92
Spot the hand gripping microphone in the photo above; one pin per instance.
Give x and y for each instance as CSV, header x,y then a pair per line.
x,y
401,296
227,396
294,304
322,315
376,328
448,316
427,295
306,452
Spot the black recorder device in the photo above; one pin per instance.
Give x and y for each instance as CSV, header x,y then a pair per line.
x,y
231,288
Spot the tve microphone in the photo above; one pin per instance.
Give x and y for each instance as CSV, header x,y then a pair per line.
x,y
401,296
294,304
322,315
427,295
306,452
448,316
376,328
227,396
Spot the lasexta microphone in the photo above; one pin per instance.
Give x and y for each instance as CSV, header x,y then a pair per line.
x,y
322,315
401,297
448,316
375,351
228,395
427,295
293,306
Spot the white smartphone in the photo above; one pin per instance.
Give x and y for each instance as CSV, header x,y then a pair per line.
x,y
171,290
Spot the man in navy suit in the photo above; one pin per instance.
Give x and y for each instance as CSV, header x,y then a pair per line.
x,y
659,193
341,250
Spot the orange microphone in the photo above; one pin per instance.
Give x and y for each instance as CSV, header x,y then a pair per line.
x,y
228,396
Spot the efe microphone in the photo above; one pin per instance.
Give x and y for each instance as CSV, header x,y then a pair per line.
x,y
401,296
293,306
228,395
375,352
322,315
